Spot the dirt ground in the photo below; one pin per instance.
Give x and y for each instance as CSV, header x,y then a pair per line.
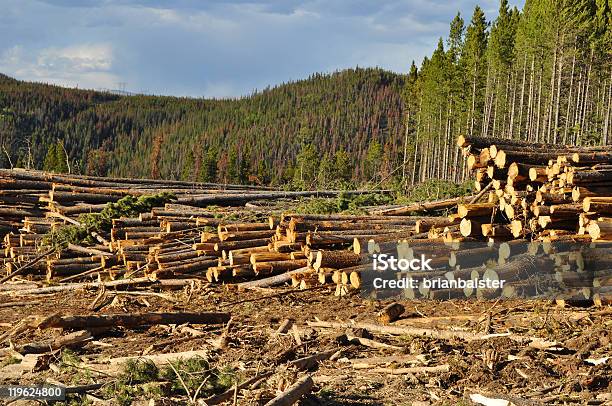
x,y
564,372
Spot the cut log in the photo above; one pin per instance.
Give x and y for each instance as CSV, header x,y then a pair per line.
x,y
267,268
390,313
337,259
425,207
476,210
294,393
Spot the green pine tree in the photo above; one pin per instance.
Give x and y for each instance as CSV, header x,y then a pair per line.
x,y
474,65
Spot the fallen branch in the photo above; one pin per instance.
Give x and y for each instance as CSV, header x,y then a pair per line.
x,y
311,361
533,342
19,304
227,395
366,342
397,330
121,283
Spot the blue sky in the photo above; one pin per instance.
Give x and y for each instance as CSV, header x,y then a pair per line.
x,y
215,48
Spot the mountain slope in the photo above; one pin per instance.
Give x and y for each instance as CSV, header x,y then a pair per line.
x,y
258,136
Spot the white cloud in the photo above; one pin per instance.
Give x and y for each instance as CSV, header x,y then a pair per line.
x,y
81,58
82,65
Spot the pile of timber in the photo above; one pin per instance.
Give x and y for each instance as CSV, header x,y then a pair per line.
x,y
528,224
181,238
539,191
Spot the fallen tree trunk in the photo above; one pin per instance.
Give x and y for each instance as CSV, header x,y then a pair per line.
x,y
272,280
77,338
241,199
133,320
117,284
423,207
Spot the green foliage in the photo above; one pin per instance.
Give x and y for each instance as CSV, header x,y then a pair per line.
x,y
354,204
62,236
129,385
196,373
316,206
55,160
139,371
142,378
188,167
326,170
373,160
208,167
344,203
455,38
306,166
128,206
436,189
343,166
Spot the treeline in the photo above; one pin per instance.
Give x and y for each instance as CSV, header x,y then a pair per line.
x,y
543,74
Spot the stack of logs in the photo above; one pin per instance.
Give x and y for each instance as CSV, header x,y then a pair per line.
x,y
536,210
539,191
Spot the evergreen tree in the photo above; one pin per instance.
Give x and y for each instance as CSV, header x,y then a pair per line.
x,y
306,165
326,171
474,64
233,166
50,162
243,169
342,166
455,38
208,170
374,160
55,160
188,167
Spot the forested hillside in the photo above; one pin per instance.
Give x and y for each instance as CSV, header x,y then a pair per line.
x,y
543,74
272,136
